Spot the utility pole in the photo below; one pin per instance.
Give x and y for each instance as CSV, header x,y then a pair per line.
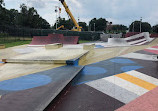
x,y
141,24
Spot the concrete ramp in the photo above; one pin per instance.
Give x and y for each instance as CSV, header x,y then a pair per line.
x,y
117,42
139,39
34,92
59,56
53,38
70,40
41,40
129,34
135,39
56,38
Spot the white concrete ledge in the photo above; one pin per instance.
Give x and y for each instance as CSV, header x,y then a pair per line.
x,y
53,46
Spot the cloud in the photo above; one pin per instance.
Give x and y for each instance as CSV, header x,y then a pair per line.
x,y
36,3
117,11
76,3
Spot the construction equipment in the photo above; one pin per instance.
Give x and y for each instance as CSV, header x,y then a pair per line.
x,y
77,27
61,27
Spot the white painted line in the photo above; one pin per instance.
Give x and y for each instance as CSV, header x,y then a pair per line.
x,y
152,48
143,77
113,90
126,85
136,41
141,43
140,56
135,36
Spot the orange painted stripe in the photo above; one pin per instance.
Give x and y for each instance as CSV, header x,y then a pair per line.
x,y
1,64
137,81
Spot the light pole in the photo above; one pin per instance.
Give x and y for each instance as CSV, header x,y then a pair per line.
x,y
94,27
56,15
133,26
141,24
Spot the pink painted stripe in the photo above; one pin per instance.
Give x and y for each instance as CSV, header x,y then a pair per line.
x,y
147,102
152,51
155,47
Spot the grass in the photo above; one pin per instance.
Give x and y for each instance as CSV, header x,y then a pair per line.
x,y
17,43
83,41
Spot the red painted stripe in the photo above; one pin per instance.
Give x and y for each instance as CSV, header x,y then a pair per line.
x,y
152,51
147,102
131,34
154,35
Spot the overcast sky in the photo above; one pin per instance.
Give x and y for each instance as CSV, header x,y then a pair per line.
x,y
116,11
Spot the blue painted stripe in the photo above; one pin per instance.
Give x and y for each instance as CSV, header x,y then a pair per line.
x,y
122,61
25,82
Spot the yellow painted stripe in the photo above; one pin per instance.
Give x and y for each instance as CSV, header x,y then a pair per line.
x,y
137,81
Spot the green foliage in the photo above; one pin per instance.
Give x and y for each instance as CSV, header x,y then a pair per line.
x,y
145,26
119,28
4,34
155,28
1,2
98,24
27,17
84,26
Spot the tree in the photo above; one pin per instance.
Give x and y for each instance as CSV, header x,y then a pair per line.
x,y
145,26
1,2
98,24
155,28
30,18
84,26
119,28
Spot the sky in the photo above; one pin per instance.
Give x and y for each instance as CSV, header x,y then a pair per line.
x,y
115,11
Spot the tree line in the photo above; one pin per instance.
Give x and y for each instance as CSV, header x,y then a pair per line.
x,y
26,17
138,26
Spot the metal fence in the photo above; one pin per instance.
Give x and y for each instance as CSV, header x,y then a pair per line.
x,y
9,34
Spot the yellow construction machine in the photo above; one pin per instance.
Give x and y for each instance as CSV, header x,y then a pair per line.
x,y
77,27
61,27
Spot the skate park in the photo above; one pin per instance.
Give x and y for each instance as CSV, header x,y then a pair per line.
x,y
52,68
31,76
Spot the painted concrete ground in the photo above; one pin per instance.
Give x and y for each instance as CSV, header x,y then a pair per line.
x,y
112,78
113,83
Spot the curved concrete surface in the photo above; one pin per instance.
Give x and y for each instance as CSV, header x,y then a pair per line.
x,y
117,42
53,38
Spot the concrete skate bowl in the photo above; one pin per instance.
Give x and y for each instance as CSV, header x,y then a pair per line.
x,y
53,38
138,38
